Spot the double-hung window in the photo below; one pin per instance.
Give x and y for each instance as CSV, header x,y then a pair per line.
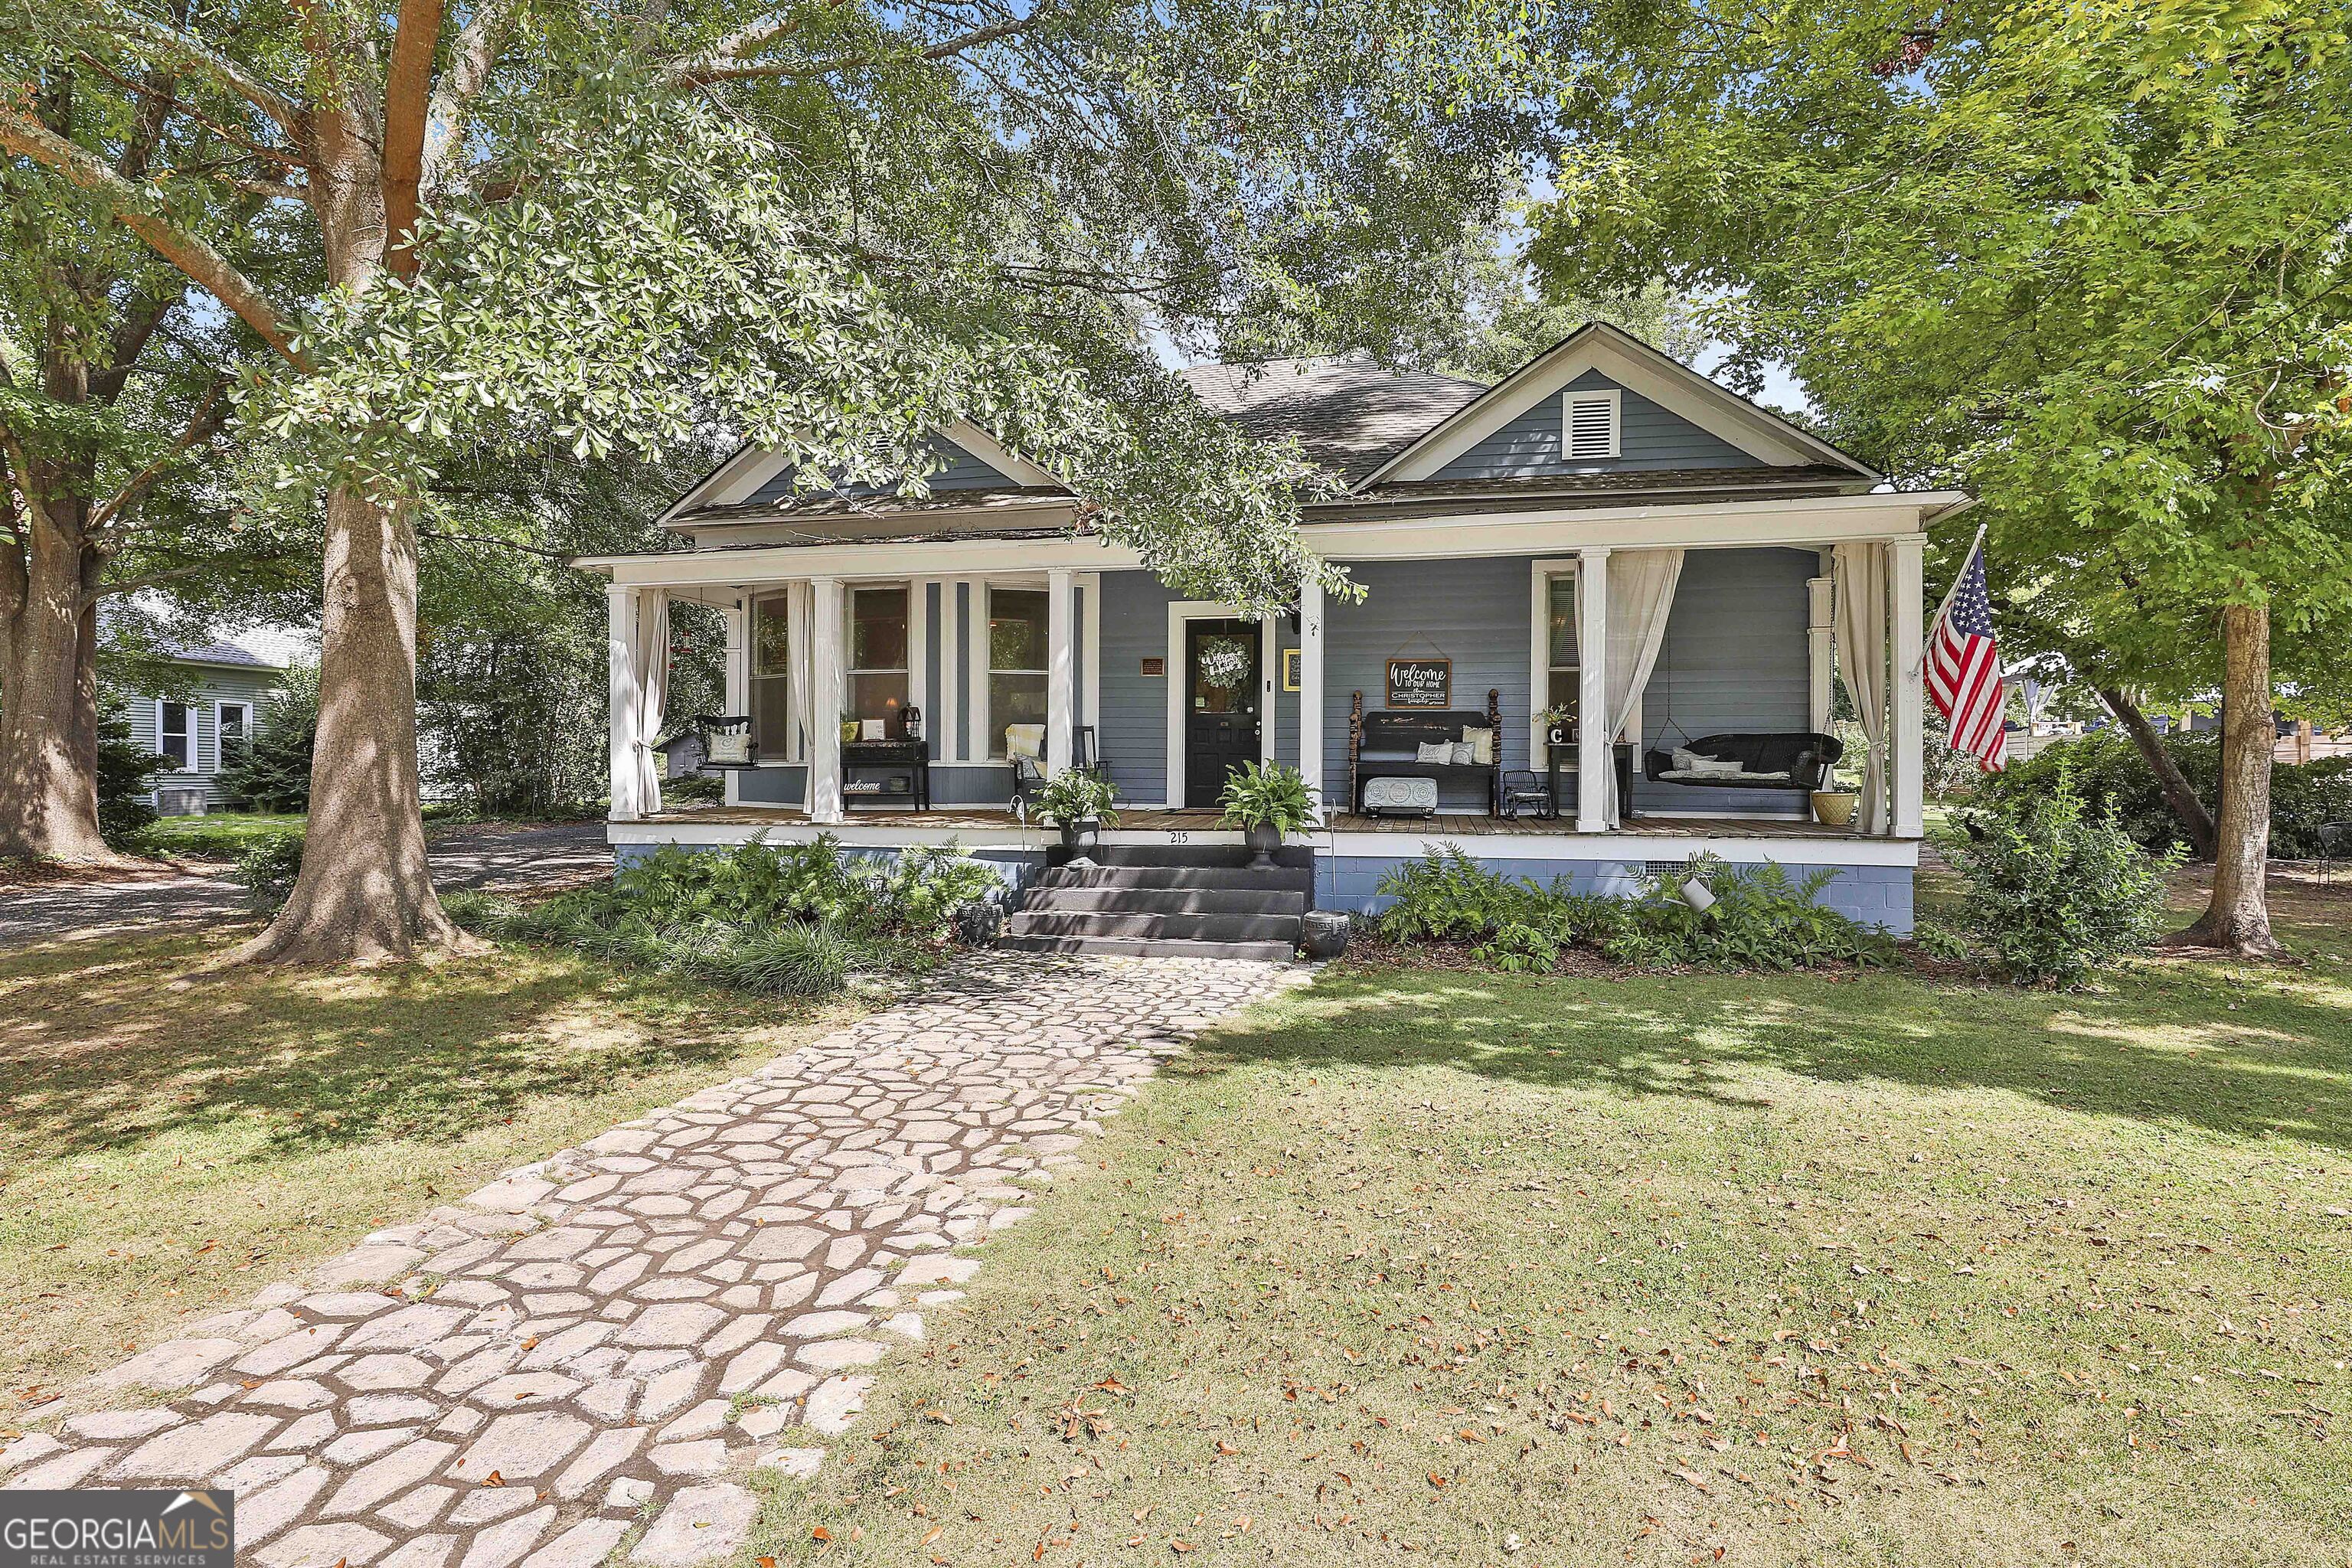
x,y
175,734
771,665
878,657
231,723
1016,659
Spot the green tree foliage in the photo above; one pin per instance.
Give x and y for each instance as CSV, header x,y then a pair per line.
x,y
826,227
2113,775
271,770
126,777
2085,257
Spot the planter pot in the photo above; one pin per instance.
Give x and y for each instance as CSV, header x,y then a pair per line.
x,y
979,923
1835,807
1325,934
1264,838
1557,735
1078,835
850,729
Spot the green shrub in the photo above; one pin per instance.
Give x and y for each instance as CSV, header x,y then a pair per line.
x,y
1760,919
270,770
126,775
266,870
2112,776
808,960
2055,890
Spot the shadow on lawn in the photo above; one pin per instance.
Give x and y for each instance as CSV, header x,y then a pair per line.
x,y
96,1055
2161,1044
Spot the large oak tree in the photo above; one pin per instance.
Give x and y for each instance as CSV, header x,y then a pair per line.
x,y
828,225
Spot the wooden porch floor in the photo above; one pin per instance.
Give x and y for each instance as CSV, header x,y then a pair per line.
x,y
990,820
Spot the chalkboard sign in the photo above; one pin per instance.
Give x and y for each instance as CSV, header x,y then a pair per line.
x,y
1421,683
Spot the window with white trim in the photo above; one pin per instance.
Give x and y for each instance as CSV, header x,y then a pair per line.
x,y
1563,652
232,727
878,657
1589,424
1017,635
772,664
175,734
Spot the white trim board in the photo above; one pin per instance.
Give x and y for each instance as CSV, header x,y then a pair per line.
x,y
1807,522
1619,847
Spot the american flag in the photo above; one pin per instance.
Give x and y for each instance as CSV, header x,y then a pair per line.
x,y
1964,668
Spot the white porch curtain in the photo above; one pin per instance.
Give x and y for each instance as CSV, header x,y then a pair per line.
x,y
798,603
1860,637
1641,597
650,664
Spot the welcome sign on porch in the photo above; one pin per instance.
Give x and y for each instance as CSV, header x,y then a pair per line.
x,y
1421,683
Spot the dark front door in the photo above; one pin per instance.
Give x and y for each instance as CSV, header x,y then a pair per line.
x,y
1221,687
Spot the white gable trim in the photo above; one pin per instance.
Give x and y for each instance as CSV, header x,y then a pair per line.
x,y
739,478
1633,366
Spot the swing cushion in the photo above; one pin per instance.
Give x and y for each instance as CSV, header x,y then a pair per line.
x,y
1795,761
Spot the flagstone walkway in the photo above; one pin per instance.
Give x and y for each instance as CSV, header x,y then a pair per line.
x,y
618,1336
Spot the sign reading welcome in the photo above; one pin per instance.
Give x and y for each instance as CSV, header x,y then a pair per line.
x,y
1421,683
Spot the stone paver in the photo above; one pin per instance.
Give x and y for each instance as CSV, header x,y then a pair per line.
x,y
625,1330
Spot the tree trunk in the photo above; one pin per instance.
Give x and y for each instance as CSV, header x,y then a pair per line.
x,y
365,891
2237,919
49,778
2178,793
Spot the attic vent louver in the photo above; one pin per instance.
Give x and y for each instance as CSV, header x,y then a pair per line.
x,y
1591,425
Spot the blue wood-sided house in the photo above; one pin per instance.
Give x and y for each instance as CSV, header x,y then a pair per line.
x,y
1603,532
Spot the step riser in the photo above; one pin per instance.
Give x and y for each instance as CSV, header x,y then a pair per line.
x,y
1235,879
1188,927
1229,856
1164,902
1265,952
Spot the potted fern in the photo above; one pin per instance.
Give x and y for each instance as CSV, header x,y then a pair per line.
x,y
1271,801
1079,802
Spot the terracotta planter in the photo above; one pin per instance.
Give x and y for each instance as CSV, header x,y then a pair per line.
x,y
1835,807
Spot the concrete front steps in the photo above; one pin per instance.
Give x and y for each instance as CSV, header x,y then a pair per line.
x,y
1168,902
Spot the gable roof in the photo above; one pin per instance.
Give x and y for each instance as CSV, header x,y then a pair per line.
x,y
205,650
1633,364
1347,414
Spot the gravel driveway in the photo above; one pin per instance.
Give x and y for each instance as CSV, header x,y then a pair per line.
x,y
479,855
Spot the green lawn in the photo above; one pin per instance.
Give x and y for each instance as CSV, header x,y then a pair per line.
x,y
174,1140
1468,1268
215,835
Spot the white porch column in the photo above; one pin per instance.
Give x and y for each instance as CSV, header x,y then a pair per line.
x,y
621,604
1821,618
1907,586
827,697
737,699
1594,757
1061,683
1310,688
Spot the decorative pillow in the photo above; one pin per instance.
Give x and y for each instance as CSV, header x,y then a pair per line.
x,y
1434,752
1685,759
730,746
1716,767
1024,741
1464,754
1482,745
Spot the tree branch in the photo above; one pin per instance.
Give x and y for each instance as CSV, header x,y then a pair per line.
x,y
210,414
407,98
142,215
161,39
703,73
501,544
477,50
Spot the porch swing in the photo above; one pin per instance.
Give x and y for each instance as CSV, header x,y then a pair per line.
x,y
1796,761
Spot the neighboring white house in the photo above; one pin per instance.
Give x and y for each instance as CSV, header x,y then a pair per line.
x,y
220,699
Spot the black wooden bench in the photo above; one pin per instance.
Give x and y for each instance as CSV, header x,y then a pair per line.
x,y
1384,742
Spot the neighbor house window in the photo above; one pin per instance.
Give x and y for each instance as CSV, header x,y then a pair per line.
x,y
878,656
1016,661
175,734
772,663
231,720
1562,655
